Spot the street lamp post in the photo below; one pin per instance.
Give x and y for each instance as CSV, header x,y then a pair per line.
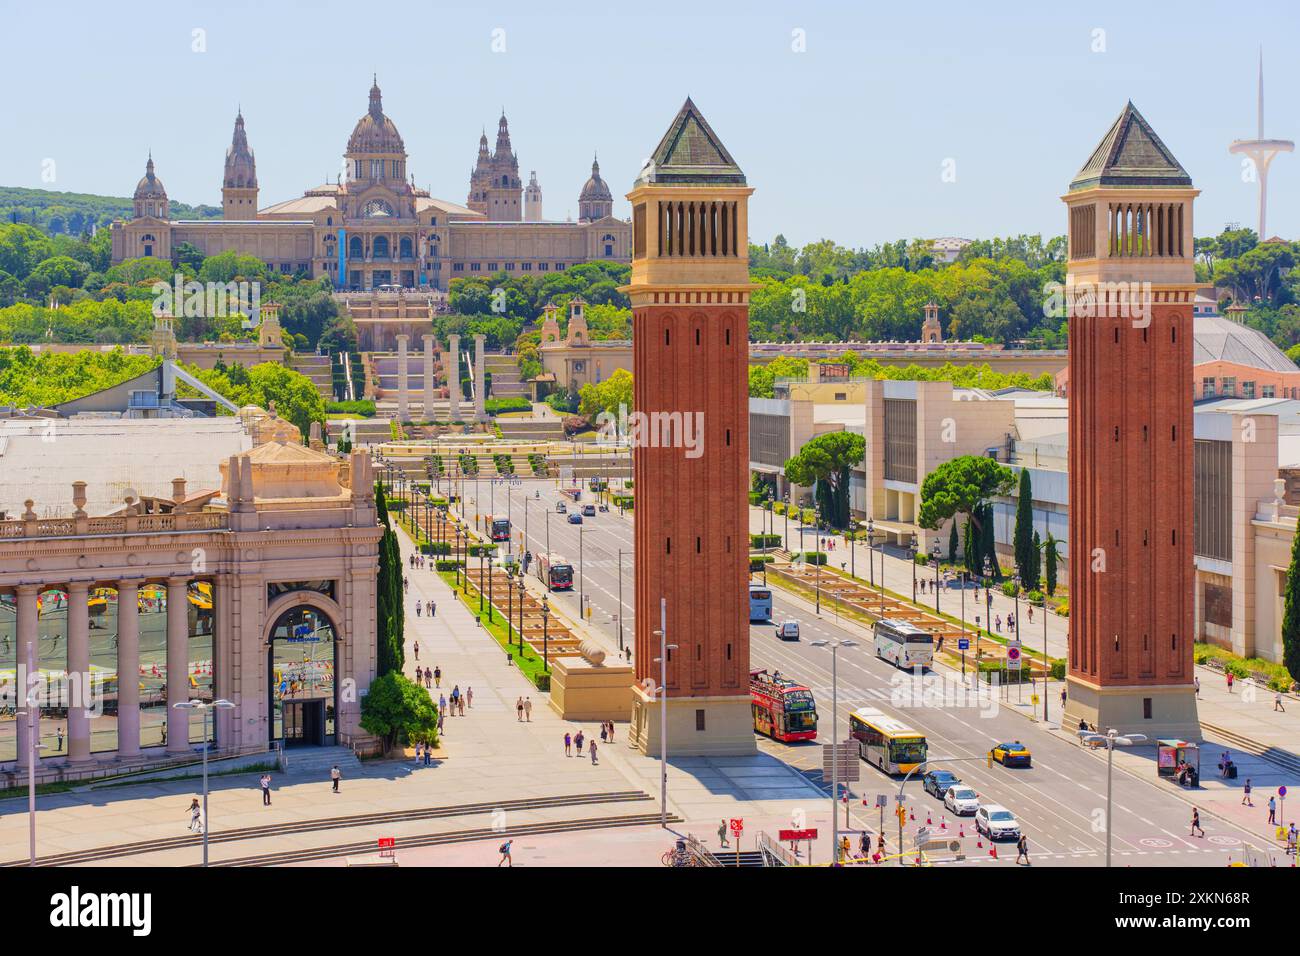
x,y
835,737
787,524
817,575
1110,739
510,602
911,553
871,550
31,713
934,553
522,591
662,690
546,637
204,707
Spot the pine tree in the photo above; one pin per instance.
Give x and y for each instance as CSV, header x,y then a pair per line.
x,y
1291,613
1023,541
1050,557
952,544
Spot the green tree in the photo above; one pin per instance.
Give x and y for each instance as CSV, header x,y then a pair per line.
x,y
827,460
390,613
1049,559
952,544
966,485
397,710
606,396
1291,613
1023,541
988,544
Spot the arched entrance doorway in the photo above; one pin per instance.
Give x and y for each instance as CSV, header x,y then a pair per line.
x,y
301,667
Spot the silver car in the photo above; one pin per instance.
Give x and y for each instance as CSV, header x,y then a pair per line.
x,y
996,822
962,801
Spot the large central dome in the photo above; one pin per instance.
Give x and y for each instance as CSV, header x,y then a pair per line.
x,y
375,132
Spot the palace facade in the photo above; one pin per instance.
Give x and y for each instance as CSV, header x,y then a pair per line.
x,y
375,230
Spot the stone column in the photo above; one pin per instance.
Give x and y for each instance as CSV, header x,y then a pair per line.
x,y
428,377
79,671
403,411
128,669
28,670
178,665
480,414
453,378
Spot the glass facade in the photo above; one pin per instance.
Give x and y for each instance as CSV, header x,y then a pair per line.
x,y
303,689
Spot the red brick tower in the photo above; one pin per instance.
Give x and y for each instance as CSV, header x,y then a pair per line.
x,y
1130,287
690,305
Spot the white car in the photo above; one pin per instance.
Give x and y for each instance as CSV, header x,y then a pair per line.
x,y
788,631
996,822
962,801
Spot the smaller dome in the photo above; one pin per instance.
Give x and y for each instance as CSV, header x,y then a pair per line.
x,y
595,189
150,187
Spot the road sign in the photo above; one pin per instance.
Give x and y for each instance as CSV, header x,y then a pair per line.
x,y
387,846
791,836
1281,791
847,765
963,643
1013,655
882,799
922,835
737,826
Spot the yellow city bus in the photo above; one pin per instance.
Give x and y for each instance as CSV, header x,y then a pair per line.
x,y
887,742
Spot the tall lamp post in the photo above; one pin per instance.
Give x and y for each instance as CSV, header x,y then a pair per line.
x,y
620,598
204,707
934,553
911,553
835,736
522,592
31,713
988,594
787,524
662,691
546,638
1110,740
510,601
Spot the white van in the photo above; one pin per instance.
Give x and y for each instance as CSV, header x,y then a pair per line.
x,y
788,631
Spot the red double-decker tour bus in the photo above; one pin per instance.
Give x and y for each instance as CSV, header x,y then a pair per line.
x,y
783,709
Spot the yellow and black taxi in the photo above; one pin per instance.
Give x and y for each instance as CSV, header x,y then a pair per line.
x,y
1014,754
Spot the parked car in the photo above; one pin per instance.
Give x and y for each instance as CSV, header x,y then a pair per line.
x,y
1014,754
937,782
961,800
589,511
788,630
575,518
996,822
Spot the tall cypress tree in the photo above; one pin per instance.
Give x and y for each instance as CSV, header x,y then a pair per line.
x,y
1023,542
1050,559
988,544
1035,564
1291,613
952,543
970,547
390,654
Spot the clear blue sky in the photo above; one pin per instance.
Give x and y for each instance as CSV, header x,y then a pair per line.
x,y
845,141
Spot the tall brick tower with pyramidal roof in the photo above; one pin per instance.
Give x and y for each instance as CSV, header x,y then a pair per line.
x,y
1130,287
690,293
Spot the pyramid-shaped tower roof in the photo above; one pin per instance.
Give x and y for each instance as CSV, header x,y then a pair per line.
x,y
690,153
1131,155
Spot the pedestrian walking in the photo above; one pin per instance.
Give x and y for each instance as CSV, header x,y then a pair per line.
x,y
437,676
265,784
441,718
611,731
428,755
722,834
196,816
604,731
528,709
1031,614
1277,702
577,742
1062,696
335,776
460,704
418,605
469,697
1272,811
419,752
1022,850
60,736
416,647
592,750
1231,677
1196,822
419,674
1196,682
864,845
1245,794
433,609
568,742
519,709
880,843
442,703
504,850
428,680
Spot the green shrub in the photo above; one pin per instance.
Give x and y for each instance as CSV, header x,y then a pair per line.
x,y
1035,597
1063,609
1058,670
482,549
447,564
764,540
756,497
495,406
1009,588
921,558
364,407
435,547
812,557
622,501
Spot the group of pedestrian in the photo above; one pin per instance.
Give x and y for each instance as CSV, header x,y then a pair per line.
x,y
572,741
524,710
428,607
416,561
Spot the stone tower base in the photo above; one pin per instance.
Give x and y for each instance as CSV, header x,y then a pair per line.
x,y
1173,709
728,726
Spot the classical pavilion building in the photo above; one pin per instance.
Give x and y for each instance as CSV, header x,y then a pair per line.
x,y
373,228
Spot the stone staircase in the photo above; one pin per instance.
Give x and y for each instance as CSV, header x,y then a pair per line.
x,y
317,761
318,369
506,382
530,429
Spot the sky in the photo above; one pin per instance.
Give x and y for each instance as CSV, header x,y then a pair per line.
x,y
860,122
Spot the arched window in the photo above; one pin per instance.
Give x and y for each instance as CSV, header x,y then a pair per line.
x,y
379,248
354,247
404,248
301,668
